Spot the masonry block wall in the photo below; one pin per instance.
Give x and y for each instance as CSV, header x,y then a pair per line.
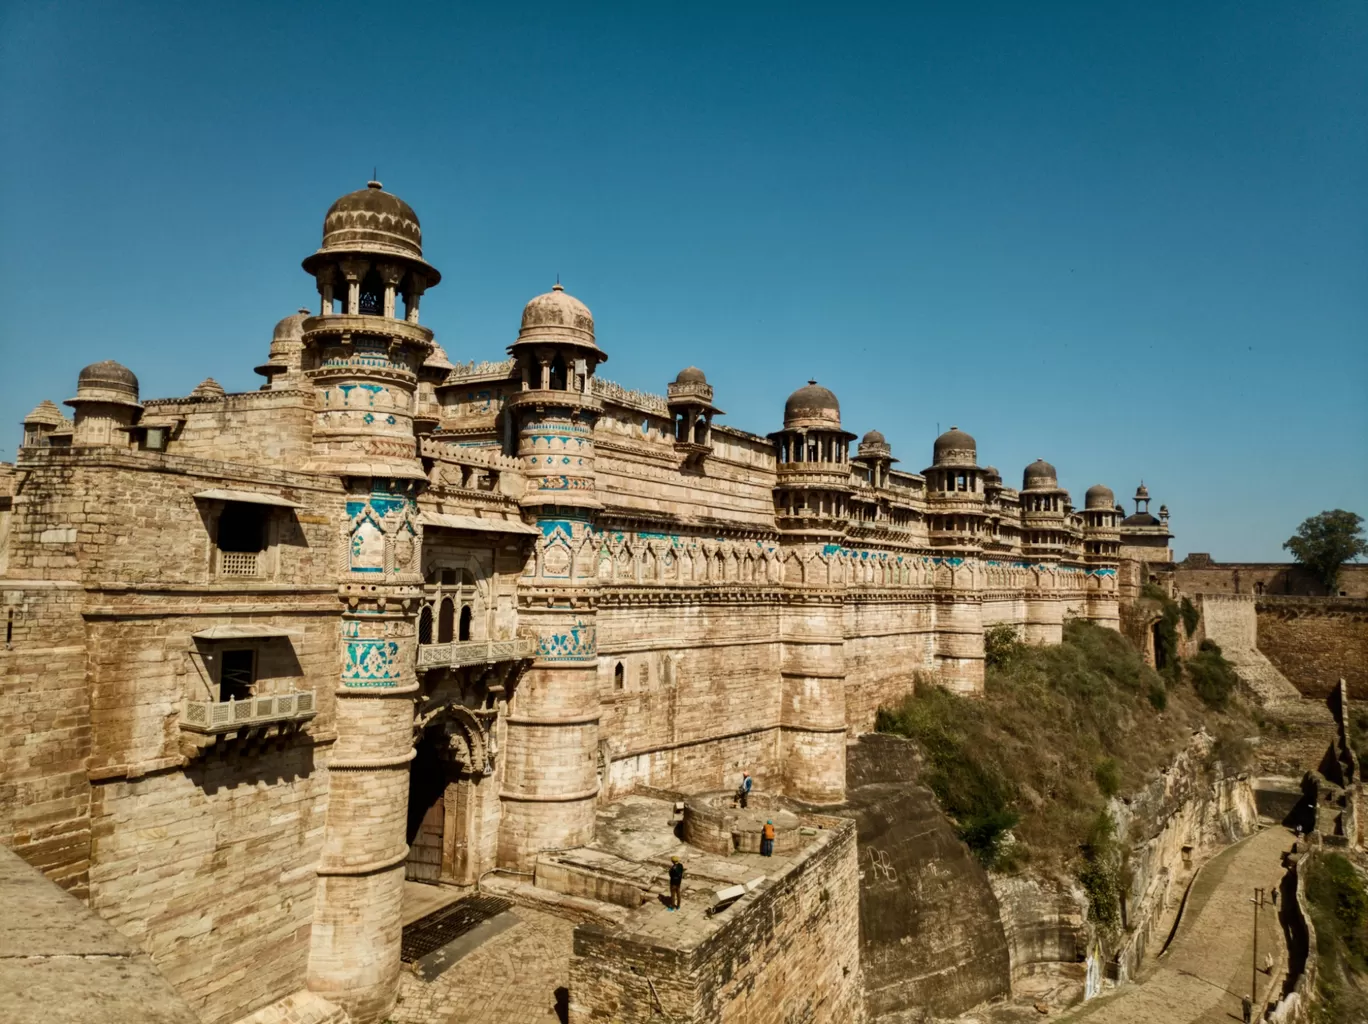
x,y
790,953
1315,642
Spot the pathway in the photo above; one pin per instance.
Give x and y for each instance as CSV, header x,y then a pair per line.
x,y
1206,970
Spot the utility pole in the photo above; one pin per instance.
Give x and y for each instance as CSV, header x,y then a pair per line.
x,y
1254,965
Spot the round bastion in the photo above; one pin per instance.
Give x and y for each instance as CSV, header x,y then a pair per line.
x,y
716,823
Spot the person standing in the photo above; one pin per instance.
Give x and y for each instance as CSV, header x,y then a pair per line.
x,y
676,881
1247,1008
743,791
767,839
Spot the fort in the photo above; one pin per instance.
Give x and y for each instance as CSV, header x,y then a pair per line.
x,y
271,656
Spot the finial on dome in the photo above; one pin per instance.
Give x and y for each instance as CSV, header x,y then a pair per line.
x,y
557,287
374,184
812,381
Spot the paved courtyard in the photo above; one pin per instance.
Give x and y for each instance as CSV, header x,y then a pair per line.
x,y
518,975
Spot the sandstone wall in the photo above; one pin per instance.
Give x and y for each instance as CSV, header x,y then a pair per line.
x,y
699,697
210,870
1315,642
1198,574
272,428
45,722
789,954
887,643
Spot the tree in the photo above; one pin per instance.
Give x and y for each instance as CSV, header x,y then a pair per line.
x,y
1325,542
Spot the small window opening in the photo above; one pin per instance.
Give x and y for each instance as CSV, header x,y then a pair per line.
x,y
448,577
241,538
463,632
425,625
558,374
237,674
9,629
617,676
446,621
372,300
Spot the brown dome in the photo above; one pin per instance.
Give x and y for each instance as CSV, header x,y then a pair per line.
x,y
873,437
106,381
558,318
812,406
1039,475
372,221
955,448
690,375
1099,496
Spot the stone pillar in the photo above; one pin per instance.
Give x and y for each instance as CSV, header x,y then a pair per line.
x,y
354,946
550,782
1044,609
959,628
812,716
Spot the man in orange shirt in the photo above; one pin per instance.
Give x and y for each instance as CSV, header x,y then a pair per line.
x,y
767,839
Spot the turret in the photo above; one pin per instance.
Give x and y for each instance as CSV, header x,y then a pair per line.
x,y
690,400
813,465
106,404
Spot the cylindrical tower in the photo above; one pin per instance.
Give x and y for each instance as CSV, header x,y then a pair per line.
x,y
1044,511
1102,555
550,783
956,508
106,404
810,500
362,361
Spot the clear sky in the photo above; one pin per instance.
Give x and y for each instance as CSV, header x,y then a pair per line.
x,y
1128,238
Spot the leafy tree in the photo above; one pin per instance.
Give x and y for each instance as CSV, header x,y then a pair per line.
x,y
1325,542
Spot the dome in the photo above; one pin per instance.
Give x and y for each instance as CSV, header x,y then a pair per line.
x,y
437,359
1099,496
287,342
873,437
106,381
1039,475
371,220
1141,492
557,317
955,448
812,406
690,375
45,414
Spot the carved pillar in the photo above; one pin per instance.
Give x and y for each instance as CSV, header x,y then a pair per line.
x,y
354,271
412,297
390,275
326,278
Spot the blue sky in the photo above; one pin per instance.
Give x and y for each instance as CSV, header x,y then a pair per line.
x,y
1130,239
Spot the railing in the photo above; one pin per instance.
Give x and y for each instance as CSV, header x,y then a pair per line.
x,y
475,652
224,716
238,563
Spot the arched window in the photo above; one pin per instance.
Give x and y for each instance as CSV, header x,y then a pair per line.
x,y
464,631
617,676
372,300
558,375
446,621
425,625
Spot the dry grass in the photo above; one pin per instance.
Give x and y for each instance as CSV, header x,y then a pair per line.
x,y
1056,727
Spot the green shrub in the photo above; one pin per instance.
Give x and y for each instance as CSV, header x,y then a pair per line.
x,y
1188,611
1100,873
1339,912
1212,676
1158,696
1108,777
1001,643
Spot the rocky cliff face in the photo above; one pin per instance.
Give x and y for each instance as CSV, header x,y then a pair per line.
x,y
931,936
1185,814
939,935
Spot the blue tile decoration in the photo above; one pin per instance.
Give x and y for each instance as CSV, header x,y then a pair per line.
x,y
371,663
579,643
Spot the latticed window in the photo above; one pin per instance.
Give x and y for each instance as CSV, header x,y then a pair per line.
x,y
241,538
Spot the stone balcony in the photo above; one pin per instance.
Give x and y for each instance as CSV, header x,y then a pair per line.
x,y
475,652
213,717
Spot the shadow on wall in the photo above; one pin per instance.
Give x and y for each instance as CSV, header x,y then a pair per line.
x,y
242,764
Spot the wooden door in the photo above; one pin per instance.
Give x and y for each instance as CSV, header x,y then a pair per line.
x,y
425,852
